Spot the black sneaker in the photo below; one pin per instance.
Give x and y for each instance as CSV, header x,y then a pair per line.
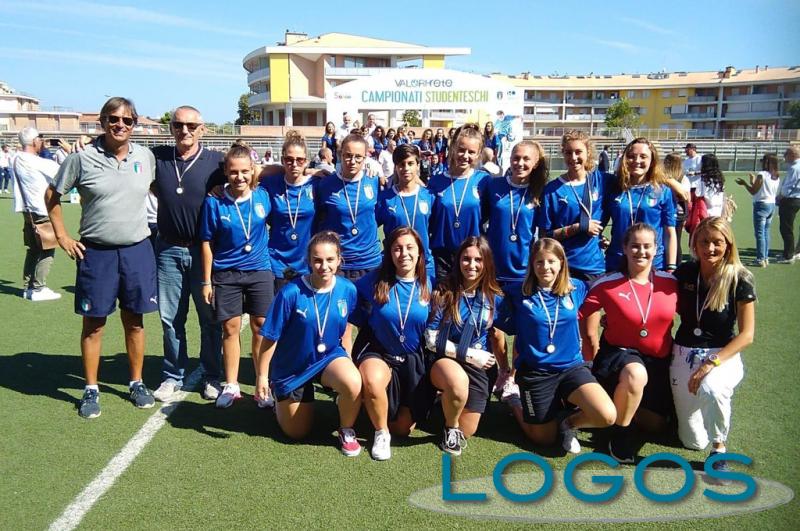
x,y
453,441
141,396
720,466
89,407
620,447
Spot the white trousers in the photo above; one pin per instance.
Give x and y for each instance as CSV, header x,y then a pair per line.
x,y
706,416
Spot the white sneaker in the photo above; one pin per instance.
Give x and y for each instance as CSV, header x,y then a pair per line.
x,y
211,389
230,394
510,391
44,294
166,391
569,438
381,448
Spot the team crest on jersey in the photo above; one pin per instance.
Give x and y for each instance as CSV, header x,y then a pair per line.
x,y
342,305
476,192
260,212
651,201
310,192
423,207
595,195
368,193
137,167
567,303
529,205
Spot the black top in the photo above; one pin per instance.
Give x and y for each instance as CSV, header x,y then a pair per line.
x,y
603,165
718,327
179,214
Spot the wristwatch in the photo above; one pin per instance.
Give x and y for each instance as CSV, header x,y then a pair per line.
x,y
713,359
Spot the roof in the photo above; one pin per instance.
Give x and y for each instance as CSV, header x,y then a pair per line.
x,y
654,80
346,40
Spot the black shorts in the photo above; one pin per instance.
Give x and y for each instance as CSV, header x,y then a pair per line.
x,y
480,384
237,292
304,393
404,389
610,361
354,274
280,283
544,393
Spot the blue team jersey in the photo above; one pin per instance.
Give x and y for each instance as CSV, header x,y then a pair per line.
x,y
384,319
292,322
481,311
492,142
224,225
645,204
561,207
447,229
286,251
407,210
510,252
525,318
361,250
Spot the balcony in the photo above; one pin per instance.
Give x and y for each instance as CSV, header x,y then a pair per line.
x,y
580,101
605,101
693,116
750,115
702,99
543,101
542,117
353,72
753,97
258,75
578,117
258,99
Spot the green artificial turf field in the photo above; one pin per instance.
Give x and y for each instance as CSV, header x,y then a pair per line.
x,y
215,469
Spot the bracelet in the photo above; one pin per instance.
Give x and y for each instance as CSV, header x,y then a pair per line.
x,y
672,267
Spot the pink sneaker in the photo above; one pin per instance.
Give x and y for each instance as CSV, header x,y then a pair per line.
x,y
230,393
348,442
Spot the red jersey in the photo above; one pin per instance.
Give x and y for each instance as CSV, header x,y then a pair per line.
x,y
624,326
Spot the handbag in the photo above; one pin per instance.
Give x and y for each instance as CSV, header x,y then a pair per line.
x,y
44,232
697,213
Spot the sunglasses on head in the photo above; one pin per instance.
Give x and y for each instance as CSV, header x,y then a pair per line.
x,y
189,125
115,119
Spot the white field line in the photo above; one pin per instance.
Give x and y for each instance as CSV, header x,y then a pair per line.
x,y
83,503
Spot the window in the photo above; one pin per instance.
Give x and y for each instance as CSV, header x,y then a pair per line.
x,y
631,94
642,111
668,110
355,62
645,94
600,95
666,93
682,93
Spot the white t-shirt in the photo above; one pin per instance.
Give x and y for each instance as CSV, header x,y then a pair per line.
x,y
768,190
692,165
34,174
386,162
714,199
5,159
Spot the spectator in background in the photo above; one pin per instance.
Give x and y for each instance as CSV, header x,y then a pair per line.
x,y
330,141
691,165
347,125
5,172
61,153
267,158
617,161
386,162
764,188
711,185
379,141
487,162
604,164
326,160
33,175
490,139
371,124
789,204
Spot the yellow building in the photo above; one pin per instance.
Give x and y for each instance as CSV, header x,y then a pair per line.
x,y
289,84
19,110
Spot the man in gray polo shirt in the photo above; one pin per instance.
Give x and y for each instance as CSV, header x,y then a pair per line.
x,y
114,258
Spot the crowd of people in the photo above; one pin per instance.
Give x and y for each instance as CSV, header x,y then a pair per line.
x,y
467,259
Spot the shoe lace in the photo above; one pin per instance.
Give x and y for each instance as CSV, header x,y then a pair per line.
x,y
455,437
348,435
90,395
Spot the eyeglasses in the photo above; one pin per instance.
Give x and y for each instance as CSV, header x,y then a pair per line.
x,y
128,121
353,158
294,161
189,125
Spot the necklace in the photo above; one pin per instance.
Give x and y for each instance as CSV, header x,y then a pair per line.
x,y
644,314
551,323
321,326
404,319
247,246
353,214
697,308
179,174
458,204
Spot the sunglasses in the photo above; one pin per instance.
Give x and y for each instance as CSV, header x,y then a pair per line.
x,y
297,161
178,126
115,119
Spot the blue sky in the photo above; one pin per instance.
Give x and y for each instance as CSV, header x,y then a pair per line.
x,y
163,54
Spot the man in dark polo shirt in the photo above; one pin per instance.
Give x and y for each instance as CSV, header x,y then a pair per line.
x,y
114,257
184,175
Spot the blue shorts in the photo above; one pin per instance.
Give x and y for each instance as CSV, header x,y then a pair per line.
x,y
108,273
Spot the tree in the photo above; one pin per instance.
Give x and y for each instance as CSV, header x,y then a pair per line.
x,y
411,117
793,110
245,114
622,115
165,118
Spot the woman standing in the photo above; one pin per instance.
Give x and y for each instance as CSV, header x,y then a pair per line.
x,y
346,206
490,138
457,209
464,310
330,141
425,146
711,185
407,203
673,170
303,344
572,207
764,188
234,248
631,359
394,303
640,195
542,313
291,197
716,296
379,140
440,151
